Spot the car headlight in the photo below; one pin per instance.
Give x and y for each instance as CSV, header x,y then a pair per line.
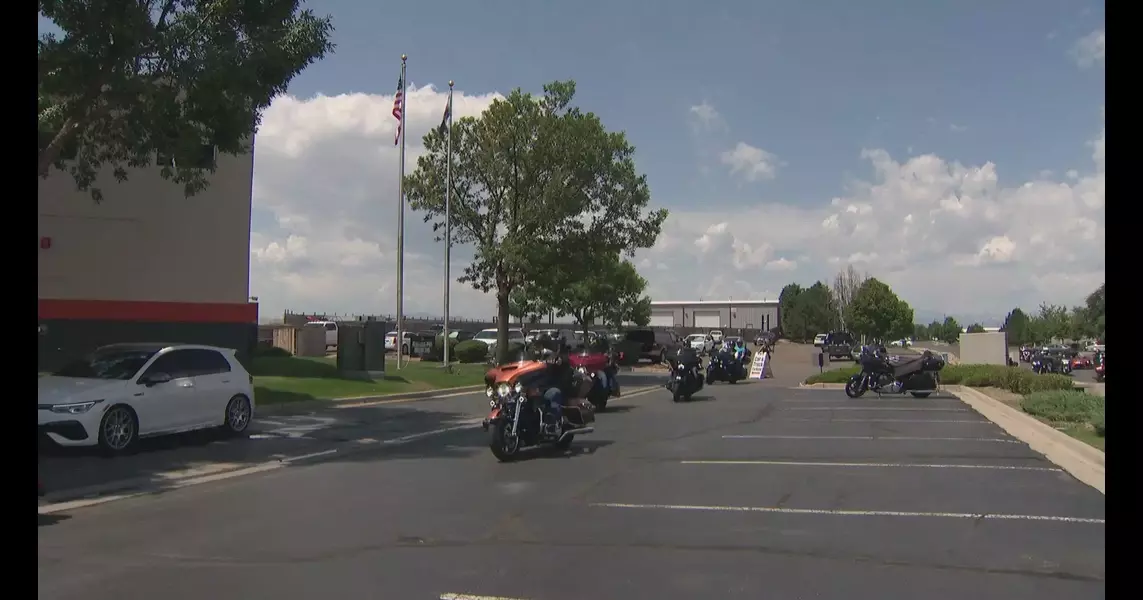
x,y
488,391
77,408
503,390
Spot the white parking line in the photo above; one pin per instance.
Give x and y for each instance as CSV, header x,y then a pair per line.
x,y
871,438
977,421
892,408
853,513
791,463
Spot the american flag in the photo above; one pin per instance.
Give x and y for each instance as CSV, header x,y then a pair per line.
x,y
398,106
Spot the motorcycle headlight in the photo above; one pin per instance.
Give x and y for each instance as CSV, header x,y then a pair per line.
x,y
488,391
503,390
519,387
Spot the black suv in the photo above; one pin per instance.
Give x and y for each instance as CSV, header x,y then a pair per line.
x,y
838,344
655,345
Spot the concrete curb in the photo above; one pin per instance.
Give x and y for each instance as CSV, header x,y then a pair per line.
x,y
822,386
1077,458
308,405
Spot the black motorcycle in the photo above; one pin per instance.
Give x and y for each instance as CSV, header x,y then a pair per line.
x,y
919,376
724,366
684,380
1026,355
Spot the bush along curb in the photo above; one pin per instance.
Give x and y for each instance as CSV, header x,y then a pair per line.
x,y
277,409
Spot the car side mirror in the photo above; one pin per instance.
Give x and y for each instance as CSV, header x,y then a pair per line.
x,y
155,379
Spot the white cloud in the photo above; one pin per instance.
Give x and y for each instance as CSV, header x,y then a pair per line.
x,y
1088,51
946,236
750,163
705,117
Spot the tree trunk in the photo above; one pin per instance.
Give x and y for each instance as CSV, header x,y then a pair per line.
x,y
502,318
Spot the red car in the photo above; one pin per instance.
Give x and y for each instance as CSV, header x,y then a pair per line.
x,y
1081,362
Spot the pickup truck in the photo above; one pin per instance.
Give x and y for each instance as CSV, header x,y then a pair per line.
x,y
838,345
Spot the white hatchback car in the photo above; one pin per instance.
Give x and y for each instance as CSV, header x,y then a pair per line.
x,y
123,392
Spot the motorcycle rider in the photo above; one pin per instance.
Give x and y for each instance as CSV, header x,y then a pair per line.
x,y
554,353
689,359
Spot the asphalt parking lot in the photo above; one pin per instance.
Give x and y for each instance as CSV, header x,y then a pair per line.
x,y
752,491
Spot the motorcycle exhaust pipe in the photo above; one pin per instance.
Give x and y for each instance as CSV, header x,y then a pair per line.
x,y
575,431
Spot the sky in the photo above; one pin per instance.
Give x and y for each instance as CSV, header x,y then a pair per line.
x,y
953,149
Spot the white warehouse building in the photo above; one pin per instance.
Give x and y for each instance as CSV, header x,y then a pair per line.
x,y
716,314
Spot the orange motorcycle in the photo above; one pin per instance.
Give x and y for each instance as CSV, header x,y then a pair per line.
x,y
517,421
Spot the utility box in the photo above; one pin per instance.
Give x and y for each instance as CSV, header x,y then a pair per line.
x,y
989,348
361,349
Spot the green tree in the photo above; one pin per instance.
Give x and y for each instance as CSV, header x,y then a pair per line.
x,y
921,332
876,313
934,330
1054,321
949,331
974,328
631,310
1017,327
818,310
534,176
593,288
793,323
1095,311
124,81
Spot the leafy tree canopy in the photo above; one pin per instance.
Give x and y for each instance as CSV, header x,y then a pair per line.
x,y
126,81
876,313
537,183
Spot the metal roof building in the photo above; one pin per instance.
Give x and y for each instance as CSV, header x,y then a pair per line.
x,y
716,314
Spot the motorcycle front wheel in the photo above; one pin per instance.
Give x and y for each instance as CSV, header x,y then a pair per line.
x,y
853,388
677,394
503,445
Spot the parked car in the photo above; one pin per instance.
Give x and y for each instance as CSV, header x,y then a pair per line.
x,y
488,336
700,342
330,331
901,343
391,341
716,335
820,339
124,392
653,345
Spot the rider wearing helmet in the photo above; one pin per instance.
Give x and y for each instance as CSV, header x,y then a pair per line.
x,y
554,353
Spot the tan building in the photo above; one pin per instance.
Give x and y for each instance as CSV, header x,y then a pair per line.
x,y
716,314
147,263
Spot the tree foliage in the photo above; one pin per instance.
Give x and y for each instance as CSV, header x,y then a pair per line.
x,y
1017,326
806,312
126,81
949,331
592,289
876,313
537,184
974,328
845,286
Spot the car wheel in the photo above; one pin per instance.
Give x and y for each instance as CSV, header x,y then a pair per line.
x,y
238,415
118,430
405,349
659,359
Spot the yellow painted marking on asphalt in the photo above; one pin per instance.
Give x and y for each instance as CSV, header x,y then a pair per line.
x,y
854,513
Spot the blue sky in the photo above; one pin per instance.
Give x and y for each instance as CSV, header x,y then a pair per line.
x,y
954,150
813,82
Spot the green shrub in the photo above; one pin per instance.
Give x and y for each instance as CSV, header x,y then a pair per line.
x,y
1065,406
436,354
471,351
841,375
1097,424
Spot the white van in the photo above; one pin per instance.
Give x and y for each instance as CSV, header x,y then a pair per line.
x,y
330,331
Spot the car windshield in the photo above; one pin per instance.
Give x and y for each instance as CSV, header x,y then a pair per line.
x,y
487,334
113,364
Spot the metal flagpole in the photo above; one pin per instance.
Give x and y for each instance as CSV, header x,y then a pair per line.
x,y
401,221
448,220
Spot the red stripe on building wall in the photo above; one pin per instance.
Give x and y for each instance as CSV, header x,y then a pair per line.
x,y
169,312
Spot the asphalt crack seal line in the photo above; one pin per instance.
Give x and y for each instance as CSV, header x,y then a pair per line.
x,y
363,445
